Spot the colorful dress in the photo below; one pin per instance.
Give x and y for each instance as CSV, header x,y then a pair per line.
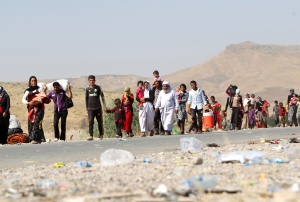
x,y
127,104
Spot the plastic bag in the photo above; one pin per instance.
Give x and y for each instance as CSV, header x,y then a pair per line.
x,y
63,85
190,144
114,157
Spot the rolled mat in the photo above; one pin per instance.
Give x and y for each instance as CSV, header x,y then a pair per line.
x,y
17,138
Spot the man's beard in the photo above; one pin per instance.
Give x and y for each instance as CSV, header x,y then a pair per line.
x,y
166,90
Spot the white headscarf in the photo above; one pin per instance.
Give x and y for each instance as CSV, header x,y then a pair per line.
x,y
167,83
149,87
237,91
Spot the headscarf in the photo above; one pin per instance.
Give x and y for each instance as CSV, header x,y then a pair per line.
x,y
237,91
149,87
2,92
126,92
32,88
167,83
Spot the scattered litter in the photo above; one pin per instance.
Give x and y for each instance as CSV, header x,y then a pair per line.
x,y
274,188
113,157
46,184
197,160
59,164
84,164
294,140
213,145
161,190
180,170
229,190
190,144
201,183
241,157
278,160
123,139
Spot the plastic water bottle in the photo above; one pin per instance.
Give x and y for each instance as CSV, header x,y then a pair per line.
x,y
201,182
48,183
84,164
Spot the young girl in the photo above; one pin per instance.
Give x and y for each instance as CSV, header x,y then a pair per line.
x,y
177,92
140,92
251,116
157,77
119,116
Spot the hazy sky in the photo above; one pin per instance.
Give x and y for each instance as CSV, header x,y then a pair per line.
x,y
60,38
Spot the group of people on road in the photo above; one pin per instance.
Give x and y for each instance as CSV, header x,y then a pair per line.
x,y
157,105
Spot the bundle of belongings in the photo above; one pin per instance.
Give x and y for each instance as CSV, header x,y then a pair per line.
x,y
39,98
18,138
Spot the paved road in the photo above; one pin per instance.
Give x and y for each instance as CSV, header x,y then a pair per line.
x,y
25,155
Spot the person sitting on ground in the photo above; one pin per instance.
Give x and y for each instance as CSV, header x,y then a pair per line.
x,y
140,92
14,125
251,116
281,112
119,113
275,113
216,109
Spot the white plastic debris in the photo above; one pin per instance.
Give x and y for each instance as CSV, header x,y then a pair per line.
x,y
190,144
114,157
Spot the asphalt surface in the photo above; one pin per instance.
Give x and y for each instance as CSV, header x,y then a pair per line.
x,y
28,154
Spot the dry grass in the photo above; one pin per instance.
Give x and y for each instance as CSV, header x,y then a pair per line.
x,y
76,120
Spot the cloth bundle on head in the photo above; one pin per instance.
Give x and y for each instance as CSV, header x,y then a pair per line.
x,y
237,91
2,91
127,92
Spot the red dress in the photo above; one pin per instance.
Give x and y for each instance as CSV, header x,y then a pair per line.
x,y
127,104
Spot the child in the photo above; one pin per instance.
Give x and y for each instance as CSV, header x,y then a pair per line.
x,y
251,116
281,113
253,101
157,77
224,121
140,92
275,113
119,116
216,108
177,92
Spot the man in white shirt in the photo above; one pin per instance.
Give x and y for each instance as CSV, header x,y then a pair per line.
x,y
245,117
167,104
196,101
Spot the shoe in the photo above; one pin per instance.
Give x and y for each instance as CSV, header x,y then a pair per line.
x,y
199,131
169,133
162,133
156,131
90,138
131,135
143,134
100,137
34,142
152,133
182,132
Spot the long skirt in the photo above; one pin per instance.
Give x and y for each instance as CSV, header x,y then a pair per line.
x,y
292,118
146,117
35,130
4,124
128,121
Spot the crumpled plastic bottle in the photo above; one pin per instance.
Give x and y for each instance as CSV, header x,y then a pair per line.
x,y
201,182
84,164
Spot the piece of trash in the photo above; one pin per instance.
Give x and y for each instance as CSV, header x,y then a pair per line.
x,y
46,184
54,140
257,161
295,187
229,190
197,160
213,145
201,183
274,188
294,140
113,157
278,160
262,177
190,144
161,190
241,157
180,170
183,190
84,164
246,183
59,164
123,139
144,160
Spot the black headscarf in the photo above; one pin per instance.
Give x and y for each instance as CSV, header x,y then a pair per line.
x,y
2,91
32,88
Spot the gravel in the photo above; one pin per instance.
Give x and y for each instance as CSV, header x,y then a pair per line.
x,y
160,177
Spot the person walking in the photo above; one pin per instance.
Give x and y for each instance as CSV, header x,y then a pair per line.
x,y
4,115
237,108
196,101
127,101
146,111
275,113
167,104
59,97
182,114
216,109
93,106
292,109
246,103
35,99
261,106
159,129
